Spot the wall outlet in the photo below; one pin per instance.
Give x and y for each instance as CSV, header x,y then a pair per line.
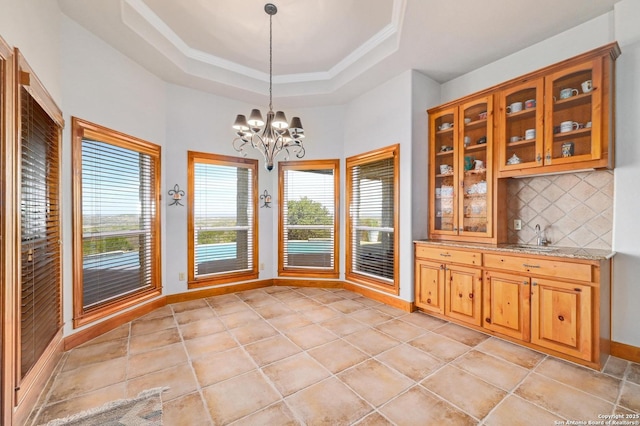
x,y
262,266
181,276
517,224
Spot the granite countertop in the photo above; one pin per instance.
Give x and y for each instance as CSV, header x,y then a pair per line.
x,y
550,251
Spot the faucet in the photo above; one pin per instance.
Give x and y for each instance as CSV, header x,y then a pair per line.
x,y
540,239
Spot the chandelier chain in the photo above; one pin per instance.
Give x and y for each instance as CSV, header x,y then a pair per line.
x,y
270,62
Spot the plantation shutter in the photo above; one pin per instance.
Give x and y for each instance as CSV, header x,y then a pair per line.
x,y
118,217
308,217
223,217
372,219
40,315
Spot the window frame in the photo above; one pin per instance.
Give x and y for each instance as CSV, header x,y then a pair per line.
x,y
79,129
233,276
393,152
306,272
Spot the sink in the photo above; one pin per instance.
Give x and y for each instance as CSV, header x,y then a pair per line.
x,y
543,249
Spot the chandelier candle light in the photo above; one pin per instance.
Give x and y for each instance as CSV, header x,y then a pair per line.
x,y
274,136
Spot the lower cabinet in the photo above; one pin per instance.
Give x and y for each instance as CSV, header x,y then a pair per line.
x,y
506,307
430,288
462,293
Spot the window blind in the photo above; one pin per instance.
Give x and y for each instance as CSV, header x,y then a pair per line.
x,y
118,221
308,217
39,230
222,216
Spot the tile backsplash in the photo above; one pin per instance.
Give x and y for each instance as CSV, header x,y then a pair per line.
x,y
574,210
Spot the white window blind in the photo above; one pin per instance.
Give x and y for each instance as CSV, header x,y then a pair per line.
x,y
308,217
222,216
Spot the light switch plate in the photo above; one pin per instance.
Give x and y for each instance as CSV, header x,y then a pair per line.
x,y
517,224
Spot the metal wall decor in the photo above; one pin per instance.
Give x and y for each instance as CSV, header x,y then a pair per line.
x,y
267,199
176,194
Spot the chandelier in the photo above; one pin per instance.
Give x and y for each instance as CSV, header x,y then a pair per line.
x,y
275,135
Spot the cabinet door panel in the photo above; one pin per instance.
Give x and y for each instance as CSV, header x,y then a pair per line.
x,y
443,154
463,294
561,317
430,286
507,304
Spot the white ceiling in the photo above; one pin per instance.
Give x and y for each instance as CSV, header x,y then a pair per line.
x,y
325,51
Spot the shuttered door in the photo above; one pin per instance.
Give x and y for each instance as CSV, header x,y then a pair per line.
x,y
40,232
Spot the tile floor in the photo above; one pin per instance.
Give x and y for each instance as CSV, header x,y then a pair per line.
x,y
282,355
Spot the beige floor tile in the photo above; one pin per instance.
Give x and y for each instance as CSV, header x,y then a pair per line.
x,y
375,382
276,414
374,419
85,355
147,342
633,373
156,359
289,322
462,334
401,330
239,318
391,311
89,378
231,308
419,407
423,321
253,331
327,298
329,402
342,325
238,397
257,298
519,355
295,373
221,366
310,336
491,369
120,332
623,411
179,379
321,313
370,316
193,315
209,344
272,349
630,397
274,310
302,304
410,361
83,402
514,411
187,410
311,291
439,346
165,311
145,326
347,306
561,399
371,341
223,299
615,367
273,289
585,379
347,294
287,295
338,355
189,305
476,397
368,302
196,329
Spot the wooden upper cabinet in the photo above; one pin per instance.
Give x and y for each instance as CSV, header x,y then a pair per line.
x,y
443,171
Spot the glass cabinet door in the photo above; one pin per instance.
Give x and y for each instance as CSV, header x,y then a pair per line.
x,y
474,164
520,132
572,124
444,180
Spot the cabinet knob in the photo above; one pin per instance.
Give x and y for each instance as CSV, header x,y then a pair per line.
x,y
560,317
487,320
460,295
525,282
470,295
539,158
548,157
429,301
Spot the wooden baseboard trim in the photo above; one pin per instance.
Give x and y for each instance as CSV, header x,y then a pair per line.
x,y
308,283
380,297
217,291
624,351
87,334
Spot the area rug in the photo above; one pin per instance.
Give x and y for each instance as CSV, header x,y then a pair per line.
x,y
143,410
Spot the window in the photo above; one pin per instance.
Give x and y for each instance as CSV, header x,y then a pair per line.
x,y
372,219
222,224
308,227
116,221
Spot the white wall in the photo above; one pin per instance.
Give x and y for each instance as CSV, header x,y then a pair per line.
x,y
105,87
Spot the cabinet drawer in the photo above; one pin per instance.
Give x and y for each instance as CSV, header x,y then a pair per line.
x,y
444,254
533,266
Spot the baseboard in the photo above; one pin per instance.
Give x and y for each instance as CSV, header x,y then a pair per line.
x,y
624,351
379,297
94,331
217,291
302,282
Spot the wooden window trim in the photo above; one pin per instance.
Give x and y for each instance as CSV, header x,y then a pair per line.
x,y
224,160
392,151
309,165
82,128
